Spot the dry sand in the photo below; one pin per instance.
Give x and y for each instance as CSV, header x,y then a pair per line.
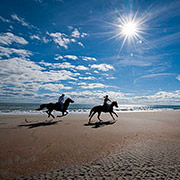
x,y
139,145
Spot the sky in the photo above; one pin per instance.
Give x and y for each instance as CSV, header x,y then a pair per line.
x,y
127,49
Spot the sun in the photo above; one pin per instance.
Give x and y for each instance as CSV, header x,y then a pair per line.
x,y
129,29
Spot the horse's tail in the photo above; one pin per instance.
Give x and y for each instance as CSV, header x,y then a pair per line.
x,y
42,106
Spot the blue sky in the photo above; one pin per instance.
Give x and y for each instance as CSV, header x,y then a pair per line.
x,y
86,50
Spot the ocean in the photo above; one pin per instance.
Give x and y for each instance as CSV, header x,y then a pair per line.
x,y
29,108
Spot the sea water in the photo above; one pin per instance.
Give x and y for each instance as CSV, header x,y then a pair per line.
x,y
29,108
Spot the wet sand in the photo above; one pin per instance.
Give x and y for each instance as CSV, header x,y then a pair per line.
x,y
139,145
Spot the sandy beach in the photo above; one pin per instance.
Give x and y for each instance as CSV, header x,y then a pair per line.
x,y
138,145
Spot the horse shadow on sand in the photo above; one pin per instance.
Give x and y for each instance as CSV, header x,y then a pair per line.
x,y
39,124
99,124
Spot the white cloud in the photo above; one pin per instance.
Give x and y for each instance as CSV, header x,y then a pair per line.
x,y
82,83
64,65
110,77
73,40
61,39
178,77
18,71
9,38
11,51
35,37
87,78
154,75
102,67
64,40
167,40
23,78
75,33
45,40
134,62
161,97
85,58
54,87
96,96
22,21
83,35
58,57
93,85
70,27
81,44
73,57
47,64
4,19
88,73
160,67
83,68
93,96
10,27
96,86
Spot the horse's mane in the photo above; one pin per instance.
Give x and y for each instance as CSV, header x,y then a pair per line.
x,y
113,102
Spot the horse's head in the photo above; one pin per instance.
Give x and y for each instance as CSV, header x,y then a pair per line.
x,y
69,100
114,103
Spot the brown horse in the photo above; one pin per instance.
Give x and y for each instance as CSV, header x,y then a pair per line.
x,y
99,109
56,106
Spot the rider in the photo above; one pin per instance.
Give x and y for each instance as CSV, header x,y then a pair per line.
x,y
106,99
61,101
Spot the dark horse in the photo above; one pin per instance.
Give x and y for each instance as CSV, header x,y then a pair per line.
x,y
99,109
56,106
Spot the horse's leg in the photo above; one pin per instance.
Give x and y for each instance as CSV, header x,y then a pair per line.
x,y
47,113
99,113
115,113
111,115
66,113
63,113
50,114
91,116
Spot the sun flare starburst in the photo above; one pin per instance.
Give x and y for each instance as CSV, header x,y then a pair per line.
x,y
129,28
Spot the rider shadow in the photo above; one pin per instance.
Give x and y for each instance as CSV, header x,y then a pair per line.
x,y
100,124
35,125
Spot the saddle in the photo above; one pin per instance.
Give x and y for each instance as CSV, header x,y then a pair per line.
x,y
59,106
106,107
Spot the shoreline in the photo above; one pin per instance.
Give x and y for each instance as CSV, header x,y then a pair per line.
x,y
40,146
83,112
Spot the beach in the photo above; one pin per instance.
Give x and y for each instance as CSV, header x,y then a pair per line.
x,y
138,145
